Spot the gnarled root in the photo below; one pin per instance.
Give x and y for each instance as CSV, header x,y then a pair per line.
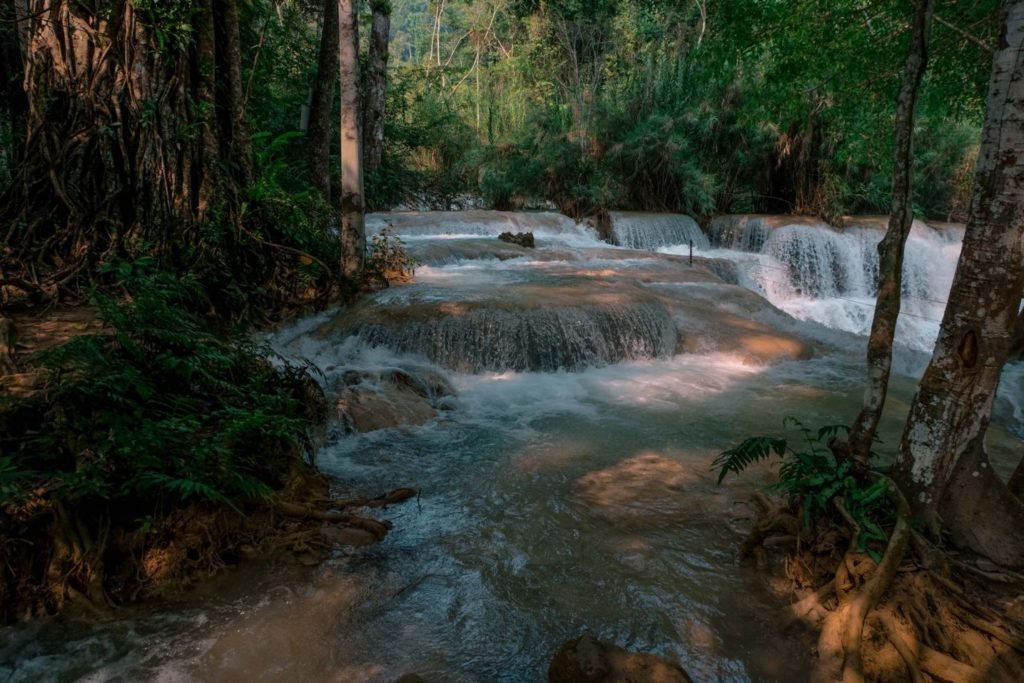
x,y
378,529
840,643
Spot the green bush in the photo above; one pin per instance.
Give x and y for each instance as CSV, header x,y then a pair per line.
x,y
156,410
815,478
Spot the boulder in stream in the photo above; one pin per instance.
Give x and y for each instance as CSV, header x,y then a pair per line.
x,y
588,660
523,239
371,400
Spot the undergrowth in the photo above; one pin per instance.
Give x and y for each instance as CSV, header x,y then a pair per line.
x,y
815,478
152,415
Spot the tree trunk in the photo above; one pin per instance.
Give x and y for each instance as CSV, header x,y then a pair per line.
x,y
1017,349
353,233
318,137
943,440
13,104
890,249
376,85
238,149
127,135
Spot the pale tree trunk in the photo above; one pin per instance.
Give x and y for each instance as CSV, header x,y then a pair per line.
x,y
318,137
352,228
890,250
377,83
942,459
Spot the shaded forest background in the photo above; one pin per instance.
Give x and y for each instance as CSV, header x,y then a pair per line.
x,y
641,104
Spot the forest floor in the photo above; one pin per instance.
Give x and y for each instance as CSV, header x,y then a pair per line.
x,y
300,523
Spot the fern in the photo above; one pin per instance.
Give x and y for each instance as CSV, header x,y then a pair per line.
x,y
157,410
814,478
752,450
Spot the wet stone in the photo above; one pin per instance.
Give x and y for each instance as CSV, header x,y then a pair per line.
x,y
588,660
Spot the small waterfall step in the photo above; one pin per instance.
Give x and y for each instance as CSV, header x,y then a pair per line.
x,y
652,231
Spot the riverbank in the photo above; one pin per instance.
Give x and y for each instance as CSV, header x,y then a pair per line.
x,y
143,453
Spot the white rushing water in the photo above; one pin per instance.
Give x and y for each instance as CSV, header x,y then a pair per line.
x,y
566,485
817,273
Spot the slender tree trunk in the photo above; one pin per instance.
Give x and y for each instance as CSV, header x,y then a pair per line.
x,y
942,458
318,137
238,148
353,232
890,250
376,86
206,148
13,103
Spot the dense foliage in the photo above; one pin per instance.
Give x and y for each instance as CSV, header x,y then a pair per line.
x,y
697,107
816,480
155,410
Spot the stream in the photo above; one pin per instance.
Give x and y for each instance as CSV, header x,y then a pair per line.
x,y
565,485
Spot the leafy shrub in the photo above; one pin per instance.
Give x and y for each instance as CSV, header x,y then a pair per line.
x,y
814,477
155,410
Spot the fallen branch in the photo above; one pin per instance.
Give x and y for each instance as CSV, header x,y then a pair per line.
x,y
391,498
378,529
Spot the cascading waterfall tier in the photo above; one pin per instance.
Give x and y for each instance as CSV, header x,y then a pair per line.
x,y
652,231
749,232
816,272
491,223
536,334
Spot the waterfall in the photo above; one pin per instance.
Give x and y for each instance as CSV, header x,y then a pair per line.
x,y
815,272
651,231
534,339
490,223
749,232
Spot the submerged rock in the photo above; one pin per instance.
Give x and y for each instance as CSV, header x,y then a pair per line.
x,y
588,660
523,239
368,401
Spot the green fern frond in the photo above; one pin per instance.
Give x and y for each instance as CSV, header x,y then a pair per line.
x,y
747,453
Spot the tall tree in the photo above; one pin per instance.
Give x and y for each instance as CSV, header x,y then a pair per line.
x,y
318,137
352,227
891,248
376,84
942,463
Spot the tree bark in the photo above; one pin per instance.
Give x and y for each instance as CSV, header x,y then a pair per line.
x,y
891,248
352,228
376,85
126,139
943,440
318,137
238,148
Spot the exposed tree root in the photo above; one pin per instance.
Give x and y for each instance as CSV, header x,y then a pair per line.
x,y
378,529
919,615
840,646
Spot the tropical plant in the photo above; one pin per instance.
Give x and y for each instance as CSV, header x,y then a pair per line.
x,y
817,479
154,409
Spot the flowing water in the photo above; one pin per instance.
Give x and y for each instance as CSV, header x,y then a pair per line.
x,y
566,485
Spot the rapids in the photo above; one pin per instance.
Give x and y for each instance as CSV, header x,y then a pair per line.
x,y
566,486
